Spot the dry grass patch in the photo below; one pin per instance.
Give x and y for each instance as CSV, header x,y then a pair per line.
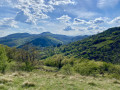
x,y
28,84
5,80
17,74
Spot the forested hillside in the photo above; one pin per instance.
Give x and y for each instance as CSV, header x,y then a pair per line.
x,y
101,47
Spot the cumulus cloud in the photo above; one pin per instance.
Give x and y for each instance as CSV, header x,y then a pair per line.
x,y
107,3
96,21
64,19
8,23
79,21
115,20
68,28
31,10
34,9
61,2
99,20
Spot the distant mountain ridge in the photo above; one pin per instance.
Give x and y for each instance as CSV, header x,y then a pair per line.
x,y
44,39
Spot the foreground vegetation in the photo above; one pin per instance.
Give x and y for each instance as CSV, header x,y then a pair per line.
x,y
27,60
40,80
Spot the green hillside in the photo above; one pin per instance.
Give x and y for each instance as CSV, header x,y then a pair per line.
x,y
101,47
20,39
16,39
43,42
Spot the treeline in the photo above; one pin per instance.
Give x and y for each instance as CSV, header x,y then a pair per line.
x,y
20,59
25,58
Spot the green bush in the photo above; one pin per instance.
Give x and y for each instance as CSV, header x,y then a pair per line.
x,y
68,61
28,66
55,61
67,69
83,66
96,67
86,68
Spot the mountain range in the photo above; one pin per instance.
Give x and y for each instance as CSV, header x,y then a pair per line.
x,y
41,40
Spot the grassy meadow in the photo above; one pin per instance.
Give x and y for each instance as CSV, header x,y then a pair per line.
x,y
42,80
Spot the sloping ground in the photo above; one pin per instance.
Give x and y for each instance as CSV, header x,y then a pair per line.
x,y
43,42
104,46
16,39
40,80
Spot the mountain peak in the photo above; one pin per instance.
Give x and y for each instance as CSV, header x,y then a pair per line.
x,y
46,33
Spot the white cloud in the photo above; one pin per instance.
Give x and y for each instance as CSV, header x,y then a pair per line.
x,y
8,22
98,21
61,2
107,3
79,21
64,19
115,20
32,9
93,27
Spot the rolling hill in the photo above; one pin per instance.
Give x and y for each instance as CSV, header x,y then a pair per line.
x,y
104,46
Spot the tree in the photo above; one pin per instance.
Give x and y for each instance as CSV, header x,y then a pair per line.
x,y
3,59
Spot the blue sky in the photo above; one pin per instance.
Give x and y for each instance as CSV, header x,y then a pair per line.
x,y
68,17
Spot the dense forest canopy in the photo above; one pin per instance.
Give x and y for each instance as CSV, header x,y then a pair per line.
x,y
101,47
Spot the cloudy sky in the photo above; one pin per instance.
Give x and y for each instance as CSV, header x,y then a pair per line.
x,y
69,17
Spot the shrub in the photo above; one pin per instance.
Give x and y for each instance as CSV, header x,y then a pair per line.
x,y
27,66
88,68
67,69
92,84
68,61
2,87
54,61
116,82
